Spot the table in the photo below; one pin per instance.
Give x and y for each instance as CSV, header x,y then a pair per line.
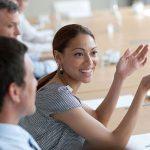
x,y
142,125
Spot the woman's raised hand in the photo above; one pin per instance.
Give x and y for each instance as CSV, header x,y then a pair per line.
x,y
131,61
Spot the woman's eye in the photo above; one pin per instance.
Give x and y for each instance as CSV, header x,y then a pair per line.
x,y
78,54
94,53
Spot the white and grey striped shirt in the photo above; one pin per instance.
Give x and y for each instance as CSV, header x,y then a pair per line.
x,y
52,134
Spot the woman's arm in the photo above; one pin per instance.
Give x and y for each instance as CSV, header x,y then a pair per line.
x,y
128,63
104,110
95,133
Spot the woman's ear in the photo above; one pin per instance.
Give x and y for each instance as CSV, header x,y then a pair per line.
x,y
58,57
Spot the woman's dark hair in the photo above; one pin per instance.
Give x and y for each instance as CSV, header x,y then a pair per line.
x,y
66,34
61,40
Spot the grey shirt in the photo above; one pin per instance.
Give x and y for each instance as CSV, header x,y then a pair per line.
x,y
52,134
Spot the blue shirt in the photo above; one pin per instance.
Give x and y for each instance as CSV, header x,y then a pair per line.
x,y
14,137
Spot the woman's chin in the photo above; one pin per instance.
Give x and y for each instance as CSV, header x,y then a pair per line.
x,y
86,80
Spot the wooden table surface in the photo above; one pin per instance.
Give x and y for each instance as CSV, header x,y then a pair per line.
x,y
142,125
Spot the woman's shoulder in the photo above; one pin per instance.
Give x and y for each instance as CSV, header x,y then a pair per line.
x,y
56,97
50,86
54,88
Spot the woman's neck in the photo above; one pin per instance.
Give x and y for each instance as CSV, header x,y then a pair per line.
x,y
67,80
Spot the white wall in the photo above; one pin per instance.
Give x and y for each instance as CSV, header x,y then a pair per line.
x,y
37,7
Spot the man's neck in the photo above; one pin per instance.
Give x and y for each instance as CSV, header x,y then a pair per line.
x,y
8,117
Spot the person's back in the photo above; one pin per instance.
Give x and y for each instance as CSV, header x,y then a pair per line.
x,y
17,95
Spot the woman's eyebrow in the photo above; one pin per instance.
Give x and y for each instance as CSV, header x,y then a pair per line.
x,y
94,48
78,48
83,48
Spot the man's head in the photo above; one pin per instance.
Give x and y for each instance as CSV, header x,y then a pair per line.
x,y
9,19
17,82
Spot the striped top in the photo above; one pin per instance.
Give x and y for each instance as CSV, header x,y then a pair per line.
x,y
52,134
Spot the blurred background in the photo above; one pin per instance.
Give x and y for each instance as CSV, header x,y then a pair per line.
x,y
46,6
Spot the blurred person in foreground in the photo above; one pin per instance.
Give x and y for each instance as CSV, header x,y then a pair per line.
x,y
17,95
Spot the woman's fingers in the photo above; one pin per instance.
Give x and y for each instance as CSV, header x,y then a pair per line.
x,y
136,52
142,55
144,62
126,53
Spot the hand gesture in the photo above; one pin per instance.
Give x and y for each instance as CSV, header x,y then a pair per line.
x,y
130,62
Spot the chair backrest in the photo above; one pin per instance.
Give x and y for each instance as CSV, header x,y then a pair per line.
x,y
73,8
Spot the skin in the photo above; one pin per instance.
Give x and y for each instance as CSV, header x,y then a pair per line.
x,y
28,92
9,23
20,100
81,53
78,62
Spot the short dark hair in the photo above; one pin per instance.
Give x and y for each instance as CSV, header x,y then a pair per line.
x,y
11,64
8,5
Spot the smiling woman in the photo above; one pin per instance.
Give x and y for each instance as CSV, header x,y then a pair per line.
x,y
79,59
61,120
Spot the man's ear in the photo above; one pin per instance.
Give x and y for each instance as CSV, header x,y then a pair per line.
x,y
14,92
58,57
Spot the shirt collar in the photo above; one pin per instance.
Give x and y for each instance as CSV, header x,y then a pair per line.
x,y
10,129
